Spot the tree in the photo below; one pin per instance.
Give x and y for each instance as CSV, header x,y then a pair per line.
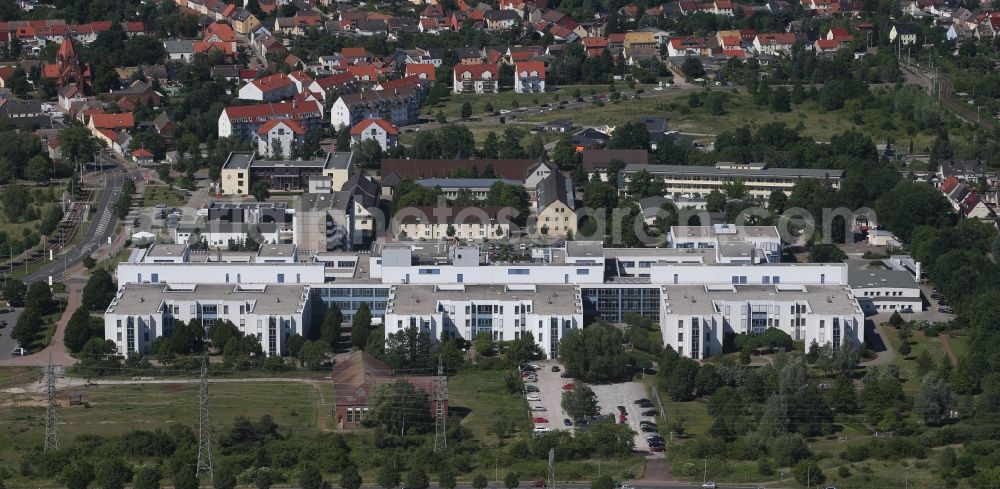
x,y
905,349
896,320
333,320
28,325
692,68
633,135
361,327
99,291
479,481
313,354
715,201
579,402
310,477
808,473
294,344
594,354
14,291
417,479
80,329
466,110
910,205
826,253
224,477
350,478
388,476
112,474
222,332
934,400
367,153
396,406
407,349
679,382
78,475
38,169
260,191
446,479
510,481
602,482
781,100
147,477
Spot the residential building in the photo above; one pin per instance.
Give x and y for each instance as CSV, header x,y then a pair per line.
x,y
242,170
774,43
905,33
529,77
476,78
324,221
466,223
380,130
279,138
141,313
243,121
400,106
271,88
554,206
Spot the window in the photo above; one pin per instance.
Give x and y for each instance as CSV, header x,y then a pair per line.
x,y
582,271
430,271
518,271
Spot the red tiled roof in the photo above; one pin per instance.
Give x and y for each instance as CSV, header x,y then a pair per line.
x,y
530,66
142,153
337,80
275,109
224,32
777,38
426,69
477,71
360,72
293,125
204,47
949,184
734,53
401,82
386,126
113,121
354,52
276,81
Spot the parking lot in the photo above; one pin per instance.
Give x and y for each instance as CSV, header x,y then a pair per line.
x,y
610,396
549,385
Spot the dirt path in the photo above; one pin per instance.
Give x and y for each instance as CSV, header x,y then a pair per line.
x,y
657,472
943,338
323,407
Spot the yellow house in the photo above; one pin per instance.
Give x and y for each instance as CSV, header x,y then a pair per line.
x,y
639,39
555,215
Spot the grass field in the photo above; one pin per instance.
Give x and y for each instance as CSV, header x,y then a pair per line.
x,y
113,410
452,105
908,365
483,394
161,194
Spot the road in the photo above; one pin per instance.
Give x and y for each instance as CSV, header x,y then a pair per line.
x,y
100,228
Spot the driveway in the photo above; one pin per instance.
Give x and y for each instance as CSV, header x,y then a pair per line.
x,y
6,342
56,348
610,396
550,391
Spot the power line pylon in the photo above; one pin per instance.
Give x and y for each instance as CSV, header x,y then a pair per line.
x,y
52,409
204,429
552,468
440,411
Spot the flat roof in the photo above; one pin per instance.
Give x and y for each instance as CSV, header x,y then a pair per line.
x,y
262,299
721,230
162,250
698,299
729,172
546,299
585,249
877,277
239,160
276,250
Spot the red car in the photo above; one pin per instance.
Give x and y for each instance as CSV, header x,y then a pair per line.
x,y
539,420
568,387
538,484
658,448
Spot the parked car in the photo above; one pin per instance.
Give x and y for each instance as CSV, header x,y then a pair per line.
x,y
565,375
539,419
646,422
555,368
649,413
648,429
657,448
541,430
567,422
539,409
641,401
568,387
538,484
534,397
531,388
945,310
621,409
19,352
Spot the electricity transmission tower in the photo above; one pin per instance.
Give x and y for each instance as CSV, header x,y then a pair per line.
x,y
204,430
52,409
440,411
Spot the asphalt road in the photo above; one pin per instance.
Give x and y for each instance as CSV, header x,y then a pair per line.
x,y
6,342
99,228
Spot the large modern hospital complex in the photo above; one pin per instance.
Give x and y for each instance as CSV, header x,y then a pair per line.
x,y
713,280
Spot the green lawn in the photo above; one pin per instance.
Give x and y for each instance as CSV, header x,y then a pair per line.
x,y
161,194
113,410
908,365
508,99
959,343
479,395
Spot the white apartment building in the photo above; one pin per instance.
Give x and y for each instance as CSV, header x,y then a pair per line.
x,y
473,223
503,312
140,313
175,263
734,243
760,181
880,290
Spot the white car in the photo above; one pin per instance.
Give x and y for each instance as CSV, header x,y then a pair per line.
x,y
539,409
627,486
709,485
535,367
504,111
540,430
19,352
534,397
658,89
